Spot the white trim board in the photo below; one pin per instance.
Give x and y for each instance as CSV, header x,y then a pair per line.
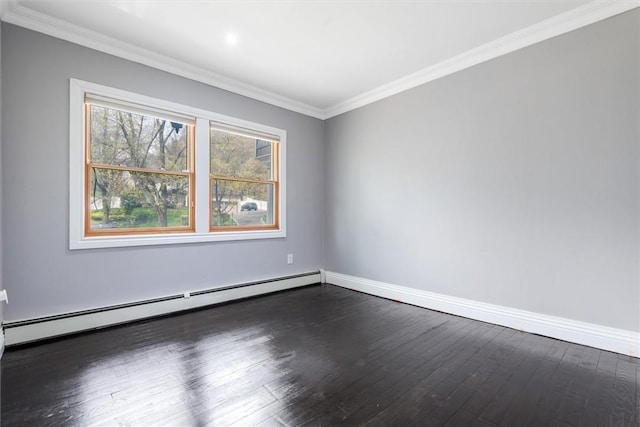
x,y
602,337
12,11
24,331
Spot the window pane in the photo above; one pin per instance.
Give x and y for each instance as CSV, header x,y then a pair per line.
x,y
123,199
121,138
239,156
246,204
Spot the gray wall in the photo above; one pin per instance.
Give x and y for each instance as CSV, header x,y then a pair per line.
x,y
1,241
514,182
43,277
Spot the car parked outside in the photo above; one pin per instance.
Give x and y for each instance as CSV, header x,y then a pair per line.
x,y
249,206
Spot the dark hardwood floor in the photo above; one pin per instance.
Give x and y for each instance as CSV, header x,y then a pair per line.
x,y
320,355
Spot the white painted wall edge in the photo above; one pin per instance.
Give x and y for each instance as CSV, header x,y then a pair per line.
x,y
1,343
49,328
602,337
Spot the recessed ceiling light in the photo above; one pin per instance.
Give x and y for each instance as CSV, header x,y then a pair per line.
x,y
231,39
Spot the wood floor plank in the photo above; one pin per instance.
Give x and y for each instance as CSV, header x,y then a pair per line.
x,y
534,353
572,406
319,355
473,387
556,389
601,394
624,389
377,402
398,368
446,397
637,411
524,404
441,382
494,374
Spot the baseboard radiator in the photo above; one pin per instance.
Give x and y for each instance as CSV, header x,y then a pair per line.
x,y
25,331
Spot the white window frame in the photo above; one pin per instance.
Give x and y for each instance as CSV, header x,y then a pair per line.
x,y
77,211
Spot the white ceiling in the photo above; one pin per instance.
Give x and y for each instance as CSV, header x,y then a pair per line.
x,y
320,58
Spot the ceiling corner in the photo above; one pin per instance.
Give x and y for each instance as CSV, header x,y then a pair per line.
x,y
573,19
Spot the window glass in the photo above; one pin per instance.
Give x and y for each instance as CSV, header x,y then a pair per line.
x,y
244,186
239,156
122,138
138,170
242,204
124,199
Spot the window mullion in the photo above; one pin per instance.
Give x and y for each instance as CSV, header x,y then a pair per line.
x,y
202,175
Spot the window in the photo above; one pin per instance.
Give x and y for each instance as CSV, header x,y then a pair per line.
x,y
139,170
244,179
145,171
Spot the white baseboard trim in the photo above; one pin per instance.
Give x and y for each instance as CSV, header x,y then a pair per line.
x,y
24,331
602,337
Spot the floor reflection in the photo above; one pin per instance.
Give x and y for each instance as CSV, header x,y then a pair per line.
x,y
221,379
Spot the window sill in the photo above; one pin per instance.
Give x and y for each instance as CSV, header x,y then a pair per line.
x,y
96,242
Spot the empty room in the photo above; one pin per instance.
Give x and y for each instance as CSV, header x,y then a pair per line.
x,y
287,213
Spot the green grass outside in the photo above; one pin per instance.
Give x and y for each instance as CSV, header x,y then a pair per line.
x,y
141,218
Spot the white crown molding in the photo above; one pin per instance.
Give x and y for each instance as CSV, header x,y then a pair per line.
x,y
13,12
573,19
598,336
